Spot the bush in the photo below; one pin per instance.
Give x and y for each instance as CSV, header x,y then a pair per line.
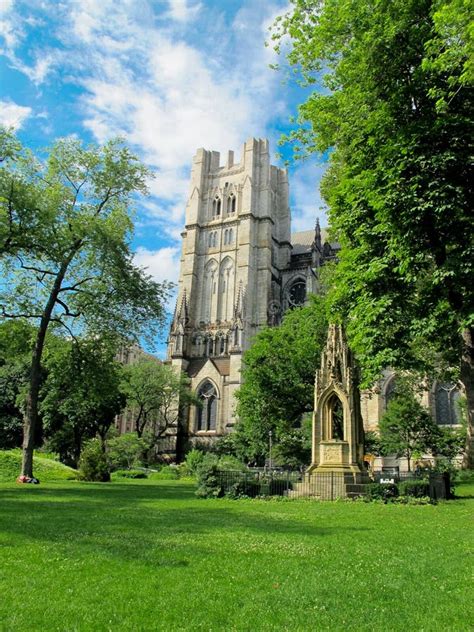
x,y
125,451
93,464
415,489
208,478
382,491
250,488
130,474
193,459
167,473
229,462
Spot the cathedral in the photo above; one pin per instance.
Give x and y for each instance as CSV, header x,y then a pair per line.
x,y
241,269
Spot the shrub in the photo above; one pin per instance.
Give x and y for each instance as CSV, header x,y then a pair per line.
x,y
415,489
167,473
130,474
125,451
208,478
382,491
229,462
193,459
93,464
250,488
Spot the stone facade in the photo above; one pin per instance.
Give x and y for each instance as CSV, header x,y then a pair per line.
x,y
241,268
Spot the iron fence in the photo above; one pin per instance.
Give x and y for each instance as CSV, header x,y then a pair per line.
x,y
325,486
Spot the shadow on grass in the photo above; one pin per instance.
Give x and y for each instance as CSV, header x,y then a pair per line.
x,y
147,523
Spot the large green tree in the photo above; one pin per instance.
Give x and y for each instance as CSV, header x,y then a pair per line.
x,y
393,105
278,378
65,257
152,392
81,394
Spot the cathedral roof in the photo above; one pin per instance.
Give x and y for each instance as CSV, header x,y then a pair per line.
x,y
303,241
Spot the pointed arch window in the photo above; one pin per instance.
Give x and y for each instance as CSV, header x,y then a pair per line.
x,y
216,206
336,418
207,412
447,398
231,204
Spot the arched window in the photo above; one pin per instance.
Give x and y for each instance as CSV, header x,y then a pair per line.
x,y
207,412
208,304
209,240
216,206
231,204
447,398
390,390
336,418
226,290
231,236
226,236
214,239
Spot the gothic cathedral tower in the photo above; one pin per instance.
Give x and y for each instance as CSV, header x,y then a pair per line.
x,y
236,242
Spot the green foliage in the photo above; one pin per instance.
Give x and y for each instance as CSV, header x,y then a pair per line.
x,y
406,428
373,444
208,479
93,464
125,451
416,489
393,104
46,469
193,459
450,443
382,491
152,390
66,260
81,394
167,473
278,379
15,351
129,474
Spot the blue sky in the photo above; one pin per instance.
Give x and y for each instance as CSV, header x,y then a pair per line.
x,y
168,75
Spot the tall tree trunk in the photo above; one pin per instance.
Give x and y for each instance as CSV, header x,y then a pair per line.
x,y
30,418
467,378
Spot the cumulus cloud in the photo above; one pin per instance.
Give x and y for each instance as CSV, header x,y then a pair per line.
x,y
182,11
161,264
12,114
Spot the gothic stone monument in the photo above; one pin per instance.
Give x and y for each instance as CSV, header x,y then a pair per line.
x,y
338,433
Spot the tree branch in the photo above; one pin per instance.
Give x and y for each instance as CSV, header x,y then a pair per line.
x,y
66,309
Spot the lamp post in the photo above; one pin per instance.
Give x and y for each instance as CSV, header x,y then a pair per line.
x,y
270,434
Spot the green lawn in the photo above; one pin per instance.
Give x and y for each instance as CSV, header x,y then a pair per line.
x,y
148,555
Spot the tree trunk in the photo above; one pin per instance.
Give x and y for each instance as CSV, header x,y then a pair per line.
x,y
31,413
467,378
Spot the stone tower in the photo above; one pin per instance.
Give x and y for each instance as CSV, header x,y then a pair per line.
x,y
236,241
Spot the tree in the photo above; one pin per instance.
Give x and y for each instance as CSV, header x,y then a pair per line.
x,y
81,395
152,390
278,378
125,451
65,230
15,352
395,112
407,428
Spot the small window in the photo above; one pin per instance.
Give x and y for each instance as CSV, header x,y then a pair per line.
x,y
209,240
226,237
216,206
231,236
233,204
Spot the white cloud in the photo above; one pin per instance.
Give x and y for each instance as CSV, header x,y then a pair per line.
x,y
182,11
161,264
12,114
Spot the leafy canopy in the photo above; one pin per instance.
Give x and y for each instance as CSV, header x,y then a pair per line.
x,y
393,106
278,377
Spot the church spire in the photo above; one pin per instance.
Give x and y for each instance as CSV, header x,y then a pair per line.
x,y
317,234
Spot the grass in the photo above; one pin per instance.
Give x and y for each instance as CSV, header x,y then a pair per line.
x,y
45,468
148,555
